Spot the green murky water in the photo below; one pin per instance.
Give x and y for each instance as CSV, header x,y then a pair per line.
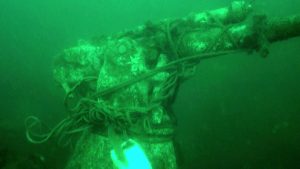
x,y
236,112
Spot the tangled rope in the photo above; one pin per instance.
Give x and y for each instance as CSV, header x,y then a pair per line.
x,y
88,112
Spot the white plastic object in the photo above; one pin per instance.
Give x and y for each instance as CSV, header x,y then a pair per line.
x,y
134,156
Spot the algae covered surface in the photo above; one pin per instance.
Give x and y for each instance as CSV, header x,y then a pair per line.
x,y
241,111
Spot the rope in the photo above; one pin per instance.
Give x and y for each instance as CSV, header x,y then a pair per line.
x,y
170,66
88,112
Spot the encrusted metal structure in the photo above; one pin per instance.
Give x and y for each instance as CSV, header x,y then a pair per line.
x,y
122,86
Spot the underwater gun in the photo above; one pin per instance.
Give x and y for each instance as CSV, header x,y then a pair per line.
x,y
202,35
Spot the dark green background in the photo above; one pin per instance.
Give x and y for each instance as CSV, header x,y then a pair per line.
x,y
237,112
